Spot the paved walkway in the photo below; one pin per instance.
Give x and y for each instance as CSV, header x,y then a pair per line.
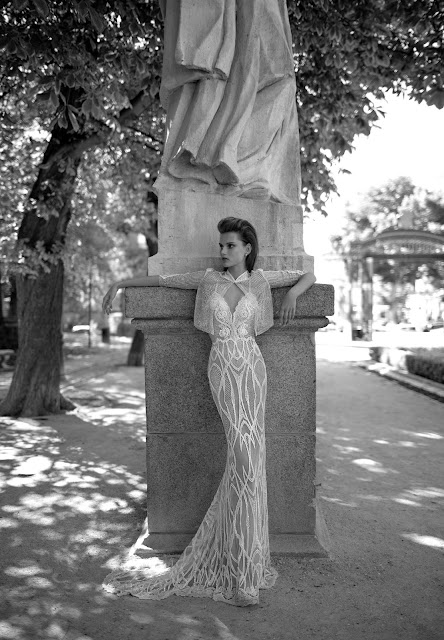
x,y
73,493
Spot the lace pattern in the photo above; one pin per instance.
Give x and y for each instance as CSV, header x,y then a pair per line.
x,y
208,282
228,559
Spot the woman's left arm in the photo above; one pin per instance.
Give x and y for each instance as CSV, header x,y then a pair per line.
x,y
289,303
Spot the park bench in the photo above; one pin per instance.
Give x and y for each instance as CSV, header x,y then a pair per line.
x,y
5,358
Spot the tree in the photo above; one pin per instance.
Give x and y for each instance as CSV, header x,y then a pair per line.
x,y
92,69
112,197
346,55
86,65
384,208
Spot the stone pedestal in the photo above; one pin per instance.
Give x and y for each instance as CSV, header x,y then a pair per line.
x,y
185,443
189,240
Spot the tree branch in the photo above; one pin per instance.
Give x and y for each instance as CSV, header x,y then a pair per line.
x,y
76,148
145,133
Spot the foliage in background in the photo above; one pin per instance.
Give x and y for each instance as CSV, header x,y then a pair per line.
x,y
383,208
21,150
346,55
67,66
110,208
428,363
91,68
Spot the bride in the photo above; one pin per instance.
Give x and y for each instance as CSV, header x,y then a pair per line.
x,y
229,557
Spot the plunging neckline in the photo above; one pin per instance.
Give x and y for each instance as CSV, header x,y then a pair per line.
x,y
239,290
233,313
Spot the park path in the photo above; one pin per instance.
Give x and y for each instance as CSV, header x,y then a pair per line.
x,y
73,494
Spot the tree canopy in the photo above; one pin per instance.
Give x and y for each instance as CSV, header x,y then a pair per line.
x,y
346,55
90,63
82,75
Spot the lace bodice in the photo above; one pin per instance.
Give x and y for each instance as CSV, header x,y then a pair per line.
x,y
253,313
236,324
228,559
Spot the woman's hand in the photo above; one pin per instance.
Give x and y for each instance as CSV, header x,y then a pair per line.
x,y
288,307
108,299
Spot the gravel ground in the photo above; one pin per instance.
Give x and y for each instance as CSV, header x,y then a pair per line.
x,y
73,494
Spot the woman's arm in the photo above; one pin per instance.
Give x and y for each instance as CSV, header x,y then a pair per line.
x,y
178,280
288,307
143,281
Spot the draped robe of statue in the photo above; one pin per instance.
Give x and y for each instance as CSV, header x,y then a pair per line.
x,y
228,86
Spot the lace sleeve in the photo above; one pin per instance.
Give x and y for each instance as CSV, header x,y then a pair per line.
x,y
283,278
182,280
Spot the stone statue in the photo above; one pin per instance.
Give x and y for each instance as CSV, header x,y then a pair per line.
x,y
228,86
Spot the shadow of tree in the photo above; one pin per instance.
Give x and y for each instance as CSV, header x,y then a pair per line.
x,y
380,447
73,501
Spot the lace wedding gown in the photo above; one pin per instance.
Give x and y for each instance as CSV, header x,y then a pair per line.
x,y
229,557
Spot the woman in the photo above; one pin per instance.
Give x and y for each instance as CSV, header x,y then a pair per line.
x,y
229,557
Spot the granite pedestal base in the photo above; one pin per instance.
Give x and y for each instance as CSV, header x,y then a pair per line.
x,y
186,447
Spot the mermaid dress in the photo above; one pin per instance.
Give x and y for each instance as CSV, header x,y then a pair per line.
x,y
228,559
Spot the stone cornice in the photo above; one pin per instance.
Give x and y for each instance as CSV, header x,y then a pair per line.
x,y
164,303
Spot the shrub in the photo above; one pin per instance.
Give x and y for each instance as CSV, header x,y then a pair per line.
x,y
427,363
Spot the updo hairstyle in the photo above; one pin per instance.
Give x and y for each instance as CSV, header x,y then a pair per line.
x,y
246,232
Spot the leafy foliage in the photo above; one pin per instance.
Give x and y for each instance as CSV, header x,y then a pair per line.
x,y
426,363
383,208
109,204
88,67
346,54
21,149
107,50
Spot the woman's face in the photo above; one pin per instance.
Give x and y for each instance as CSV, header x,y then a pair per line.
x,y
232,250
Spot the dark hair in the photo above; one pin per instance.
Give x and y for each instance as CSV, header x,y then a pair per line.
x,y
247,234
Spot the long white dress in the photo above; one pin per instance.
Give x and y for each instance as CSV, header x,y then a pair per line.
x,y
229,557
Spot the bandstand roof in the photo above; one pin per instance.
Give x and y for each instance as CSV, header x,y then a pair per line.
x,y
401,244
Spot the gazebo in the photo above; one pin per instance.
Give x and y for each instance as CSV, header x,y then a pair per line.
x,y
403,244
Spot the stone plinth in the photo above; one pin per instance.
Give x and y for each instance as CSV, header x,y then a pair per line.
x,y
185,443
188,236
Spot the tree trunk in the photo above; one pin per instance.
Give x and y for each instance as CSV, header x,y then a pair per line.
x,y
135,355
12,311
1,296
35,385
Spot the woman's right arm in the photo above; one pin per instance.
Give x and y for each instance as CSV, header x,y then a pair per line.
x,y
143,281
177,280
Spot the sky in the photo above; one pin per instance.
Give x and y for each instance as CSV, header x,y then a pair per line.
x,y
409,142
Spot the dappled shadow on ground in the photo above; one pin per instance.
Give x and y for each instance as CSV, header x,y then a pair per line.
x,y
378,443
379,471
73,502
73,499
66,509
